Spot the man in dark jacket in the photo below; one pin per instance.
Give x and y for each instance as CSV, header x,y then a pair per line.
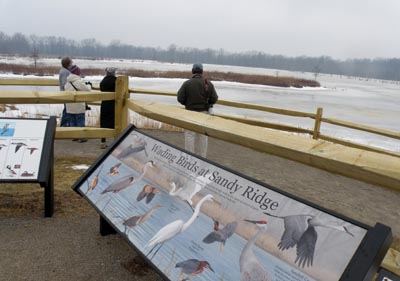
x,y
197,94
107,108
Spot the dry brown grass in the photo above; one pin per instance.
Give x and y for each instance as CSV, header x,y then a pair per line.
x,y
212,75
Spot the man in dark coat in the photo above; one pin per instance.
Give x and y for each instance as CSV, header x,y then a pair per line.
x,y
107,109
197,94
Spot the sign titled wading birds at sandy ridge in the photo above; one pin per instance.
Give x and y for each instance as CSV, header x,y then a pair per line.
x,y
190,217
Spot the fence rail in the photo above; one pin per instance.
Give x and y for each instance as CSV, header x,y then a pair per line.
x,y
381,167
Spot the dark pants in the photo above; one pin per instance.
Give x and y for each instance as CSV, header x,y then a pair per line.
x,y
76,120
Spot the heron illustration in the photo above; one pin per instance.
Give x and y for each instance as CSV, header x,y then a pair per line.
x,y
186,193
174,228
114,170
94,182
136,220
250,268
126,181
147,192
139,144
192,267
300,232
221,234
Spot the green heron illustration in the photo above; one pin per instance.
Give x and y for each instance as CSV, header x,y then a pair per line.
x,y
221,234
192,267
114,170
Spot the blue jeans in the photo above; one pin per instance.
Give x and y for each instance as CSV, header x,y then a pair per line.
x,y
76,120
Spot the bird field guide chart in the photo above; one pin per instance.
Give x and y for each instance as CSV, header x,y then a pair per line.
x,y
21,144
196,220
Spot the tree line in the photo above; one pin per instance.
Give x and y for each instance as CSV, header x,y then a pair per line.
x,y
378,68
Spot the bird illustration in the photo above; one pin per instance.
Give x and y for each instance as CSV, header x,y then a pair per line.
x,y
114,170
27,174
5,128
300,232
18,145
32,149
2,145
138,145
192,267
221,235
174,228
187,192
250,268
11,171
126,181
149,192
136,220
94,182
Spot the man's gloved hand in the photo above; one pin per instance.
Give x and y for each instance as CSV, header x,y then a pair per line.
x,y
211,110
89,83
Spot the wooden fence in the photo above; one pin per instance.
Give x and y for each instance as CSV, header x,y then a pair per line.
x,y
353,160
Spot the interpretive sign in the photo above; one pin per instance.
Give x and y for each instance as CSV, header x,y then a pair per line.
x,y
190,217
26,153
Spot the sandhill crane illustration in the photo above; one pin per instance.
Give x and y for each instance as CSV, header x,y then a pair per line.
x,y
250,268
192,267
126,181
221,234
300,232
136,220
174,228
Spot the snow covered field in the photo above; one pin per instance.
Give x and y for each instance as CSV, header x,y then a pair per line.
x,y
367,102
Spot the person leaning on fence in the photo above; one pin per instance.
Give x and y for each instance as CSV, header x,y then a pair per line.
x,y
76,111
66,63
197,94
107,108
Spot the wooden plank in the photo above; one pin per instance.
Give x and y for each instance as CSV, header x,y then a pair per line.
x,y
391,261
317,124
363,165
387,133
235,104
29,82
121,108
51,97
359,146
84,132
259,123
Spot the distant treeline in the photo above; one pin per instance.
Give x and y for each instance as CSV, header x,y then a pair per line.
x,y
388,69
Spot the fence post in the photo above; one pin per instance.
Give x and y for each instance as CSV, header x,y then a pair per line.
x,y
317,124
121,109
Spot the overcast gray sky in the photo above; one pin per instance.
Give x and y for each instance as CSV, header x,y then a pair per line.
x,y
340,29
